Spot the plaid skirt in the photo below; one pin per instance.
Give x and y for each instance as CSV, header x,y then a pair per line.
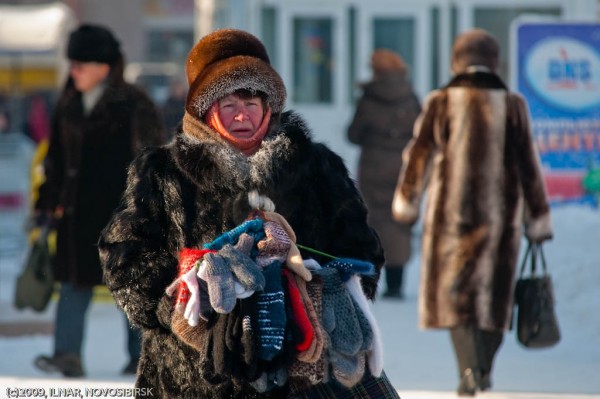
x,y
369,388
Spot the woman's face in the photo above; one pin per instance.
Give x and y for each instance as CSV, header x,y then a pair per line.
x,y
88,75
241,117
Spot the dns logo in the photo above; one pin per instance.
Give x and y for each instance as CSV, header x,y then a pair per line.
x,y
565,73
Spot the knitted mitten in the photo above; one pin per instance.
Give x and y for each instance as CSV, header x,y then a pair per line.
x,y
244,269
312,303
192,309
219,278
275,246
298,310
348,370
245,244
231,237
271,314
375,355
249,337
192,335
349,267
310,364
339,315
294,258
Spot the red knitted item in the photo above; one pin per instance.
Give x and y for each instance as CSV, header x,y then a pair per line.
x,y
187,258
300,317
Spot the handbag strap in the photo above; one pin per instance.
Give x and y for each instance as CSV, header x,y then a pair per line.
x,y
533,250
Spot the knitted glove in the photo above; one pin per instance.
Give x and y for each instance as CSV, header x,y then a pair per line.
x,y
348,267
339,315
219,278
271,314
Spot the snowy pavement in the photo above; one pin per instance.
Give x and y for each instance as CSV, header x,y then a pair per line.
x,y
420,364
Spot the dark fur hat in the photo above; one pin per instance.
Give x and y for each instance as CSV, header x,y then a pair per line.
x,y
228,60
93,43
475,47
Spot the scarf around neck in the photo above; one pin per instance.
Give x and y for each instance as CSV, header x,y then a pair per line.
x,y
247,146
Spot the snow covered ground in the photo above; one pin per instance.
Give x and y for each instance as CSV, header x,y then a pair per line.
x,y
420,364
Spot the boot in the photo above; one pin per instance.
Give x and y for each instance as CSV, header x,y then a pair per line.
x,y
470,381
393,279
69,364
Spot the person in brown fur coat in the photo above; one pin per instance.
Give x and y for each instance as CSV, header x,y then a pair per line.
x,y
473,146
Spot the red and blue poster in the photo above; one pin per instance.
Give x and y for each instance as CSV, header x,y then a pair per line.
x,y
558,73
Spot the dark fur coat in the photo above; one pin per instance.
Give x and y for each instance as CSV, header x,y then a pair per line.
x,y
185,194
86,169
472,145
382,126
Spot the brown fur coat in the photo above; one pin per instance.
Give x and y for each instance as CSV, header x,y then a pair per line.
x,y
473,147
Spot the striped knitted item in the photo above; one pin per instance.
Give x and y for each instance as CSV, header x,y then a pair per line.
x,y
271,314
275,246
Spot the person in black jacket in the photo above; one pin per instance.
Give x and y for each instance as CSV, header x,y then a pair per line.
x,y
235,140
99,124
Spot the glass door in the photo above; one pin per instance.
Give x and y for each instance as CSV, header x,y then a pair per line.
x,y
403,30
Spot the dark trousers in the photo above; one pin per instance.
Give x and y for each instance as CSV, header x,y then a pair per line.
x,y
475,349
69,329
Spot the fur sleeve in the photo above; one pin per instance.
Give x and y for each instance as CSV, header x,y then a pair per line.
x,y
416,161
350,235
537,216
136,254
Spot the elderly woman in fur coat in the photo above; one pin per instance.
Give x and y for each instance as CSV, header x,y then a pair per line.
x,y
235,138
472,145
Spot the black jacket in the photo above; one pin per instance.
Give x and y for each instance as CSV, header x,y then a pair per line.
x,y
86,169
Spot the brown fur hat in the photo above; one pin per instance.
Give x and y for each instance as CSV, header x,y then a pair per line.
x,y
475,47
227,60
384,61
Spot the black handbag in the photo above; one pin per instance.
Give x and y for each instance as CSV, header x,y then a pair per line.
x,y
537,325
35,284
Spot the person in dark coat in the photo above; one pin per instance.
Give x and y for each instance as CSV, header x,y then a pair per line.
x,y
382,127
99,124
473,145
235,139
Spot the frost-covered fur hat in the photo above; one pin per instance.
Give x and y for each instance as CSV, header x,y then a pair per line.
x,y
228,60
475,47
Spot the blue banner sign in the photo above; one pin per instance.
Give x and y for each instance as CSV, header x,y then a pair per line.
x,y
558,73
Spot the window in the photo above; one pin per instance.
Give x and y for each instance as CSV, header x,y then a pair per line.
x,y
396,34
313,60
